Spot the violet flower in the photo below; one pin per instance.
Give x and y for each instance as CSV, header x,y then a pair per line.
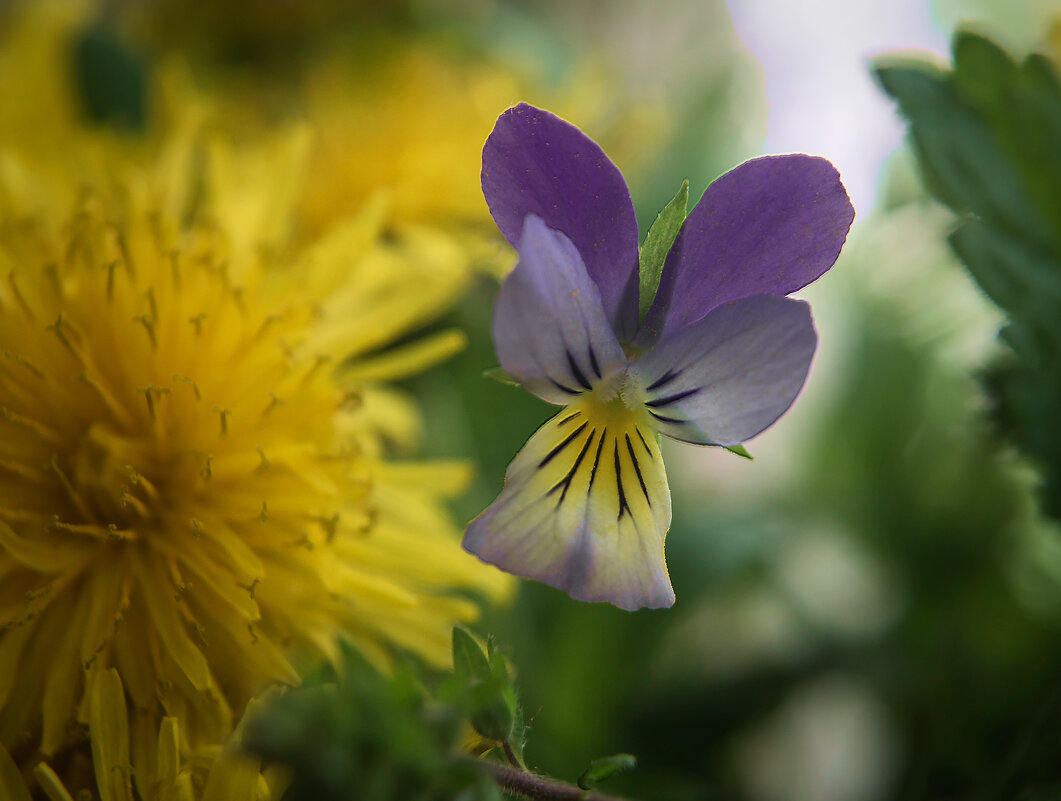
x,y
720,355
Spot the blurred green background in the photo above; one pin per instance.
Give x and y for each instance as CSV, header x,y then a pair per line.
x,y
869,610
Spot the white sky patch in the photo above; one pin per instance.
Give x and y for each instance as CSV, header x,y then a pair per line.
x,y
816,56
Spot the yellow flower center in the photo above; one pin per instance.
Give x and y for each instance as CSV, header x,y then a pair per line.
x,y
166,446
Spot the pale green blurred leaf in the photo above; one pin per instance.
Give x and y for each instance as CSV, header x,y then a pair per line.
x,y
501,376
602,769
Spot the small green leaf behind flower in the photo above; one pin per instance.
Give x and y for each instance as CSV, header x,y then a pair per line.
x,y
365,735
501,376
740,450
602,769
658,242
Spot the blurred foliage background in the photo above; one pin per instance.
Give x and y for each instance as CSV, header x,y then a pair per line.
x,y
872,608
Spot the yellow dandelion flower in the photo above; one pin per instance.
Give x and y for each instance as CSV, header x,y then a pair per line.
x,y
193,482
421,121
417,127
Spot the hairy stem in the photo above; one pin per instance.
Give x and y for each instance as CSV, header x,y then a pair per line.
x,y
510,755
530,786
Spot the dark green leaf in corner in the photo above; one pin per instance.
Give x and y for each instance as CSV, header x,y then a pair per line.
x,y
988,136
658,243
602,769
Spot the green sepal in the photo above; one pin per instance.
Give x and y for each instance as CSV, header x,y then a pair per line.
x,y
658,242
602,769
501,376
740,450
517,741
502,676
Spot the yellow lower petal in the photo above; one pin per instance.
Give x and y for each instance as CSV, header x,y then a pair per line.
x,y
585,508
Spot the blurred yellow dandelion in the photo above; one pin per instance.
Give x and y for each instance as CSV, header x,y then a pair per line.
x,y
192,480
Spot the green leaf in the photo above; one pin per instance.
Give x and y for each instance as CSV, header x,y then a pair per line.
x,y
658,242
602,769
962,166
469,661
486,687
740,450
501,376
1019,279
988,136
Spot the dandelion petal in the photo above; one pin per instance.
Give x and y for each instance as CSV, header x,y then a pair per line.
x,y
536,163
109,727
11,784
729,376
585,508
770,226
549,328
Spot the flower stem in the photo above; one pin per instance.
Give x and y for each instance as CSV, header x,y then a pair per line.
x,y
511,756
530,786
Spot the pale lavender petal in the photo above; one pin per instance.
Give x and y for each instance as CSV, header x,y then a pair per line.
x,y
770,226
536,163
549,328
726,378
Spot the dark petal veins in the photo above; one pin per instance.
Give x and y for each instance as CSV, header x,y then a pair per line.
x,y
563,444
564,388
576,372
596,459
593,362
768,227
637,468
641,437
536,163
565,482
663,419
568,419
664,379
623,505
669,399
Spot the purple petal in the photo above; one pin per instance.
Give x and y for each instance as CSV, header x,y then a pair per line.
x,y
585,509
768,227
549,328
729,376
536,163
